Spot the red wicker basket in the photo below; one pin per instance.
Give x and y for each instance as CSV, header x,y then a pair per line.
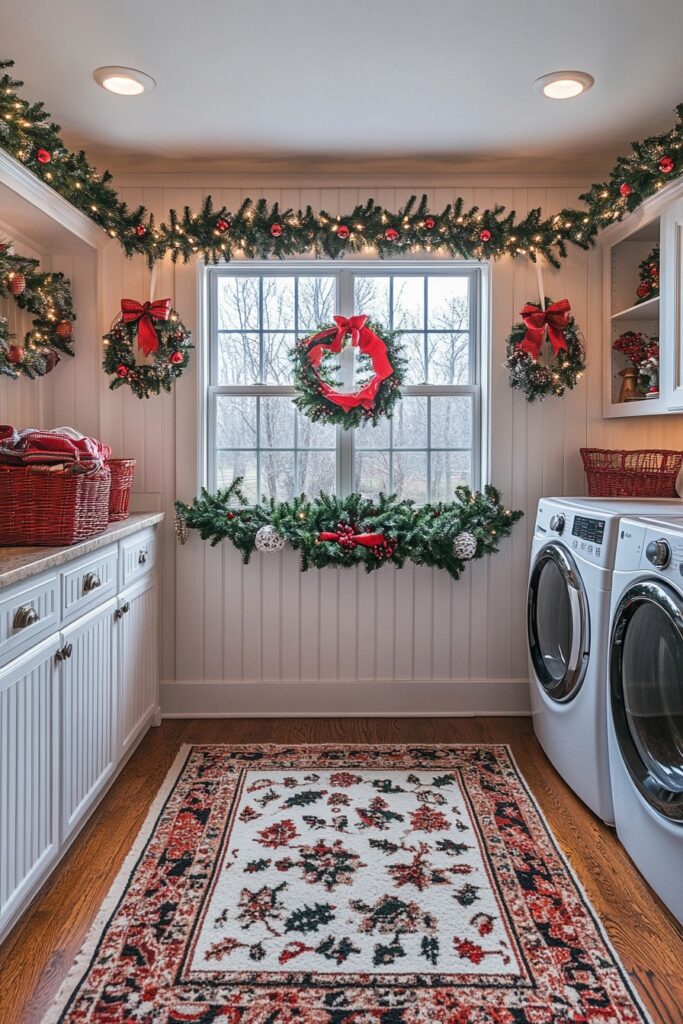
x,y
122,471
43,507
647,473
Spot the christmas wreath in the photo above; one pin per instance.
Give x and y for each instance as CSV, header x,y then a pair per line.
x,y
318,396
545,354
354,531
48,296
158,333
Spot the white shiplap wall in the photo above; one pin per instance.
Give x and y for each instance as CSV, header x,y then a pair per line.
x,y
266,639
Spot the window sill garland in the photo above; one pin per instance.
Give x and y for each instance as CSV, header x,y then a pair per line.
x,y
356,531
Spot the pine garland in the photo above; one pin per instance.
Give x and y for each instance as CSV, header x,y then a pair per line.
x,y
421,534
260,230
48,297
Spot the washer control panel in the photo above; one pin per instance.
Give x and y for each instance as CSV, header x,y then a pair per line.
x,y
589,529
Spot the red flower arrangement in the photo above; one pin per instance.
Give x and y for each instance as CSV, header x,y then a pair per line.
x,y
634,345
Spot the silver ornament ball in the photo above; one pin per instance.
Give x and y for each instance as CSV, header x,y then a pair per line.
x,y
268,540
465,546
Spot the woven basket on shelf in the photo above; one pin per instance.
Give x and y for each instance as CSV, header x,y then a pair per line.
x,y
122,471
40,506
646,473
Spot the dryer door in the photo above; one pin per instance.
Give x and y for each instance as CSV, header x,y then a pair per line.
x,y
646,691
558,623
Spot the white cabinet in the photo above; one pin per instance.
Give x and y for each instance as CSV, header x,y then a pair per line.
x,y
138,660
672,304
29,773
87,688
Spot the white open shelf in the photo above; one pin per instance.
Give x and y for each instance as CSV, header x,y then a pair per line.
x,y
648,310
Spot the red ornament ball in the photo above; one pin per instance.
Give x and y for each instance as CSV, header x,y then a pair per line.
x,y
64,329
43,156
121,371
625,189
230,515
175,358
16,283
343,232
429,223
485,235
642,290
222,225
666,165
391,234
141,230
276,230
15,354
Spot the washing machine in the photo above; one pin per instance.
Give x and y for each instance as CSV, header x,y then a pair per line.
x,y
645,706
568,607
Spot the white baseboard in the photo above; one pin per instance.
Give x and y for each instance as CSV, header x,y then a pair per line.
x,y
390,698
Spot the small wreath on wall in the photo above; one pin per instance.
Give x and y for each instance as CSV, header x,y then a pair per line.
x,y
545,352
319,397
48,297
157,332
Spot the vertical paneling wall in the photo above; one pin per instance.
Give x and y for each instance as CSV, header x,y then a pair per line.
x,y
265,638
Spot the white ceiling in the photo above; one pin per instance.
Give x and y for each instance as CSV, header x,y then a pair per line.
x,y
339,82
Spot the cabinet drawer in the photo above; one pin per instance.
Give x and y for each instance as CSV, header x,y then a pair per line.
x,y
138,555
28,612
88,582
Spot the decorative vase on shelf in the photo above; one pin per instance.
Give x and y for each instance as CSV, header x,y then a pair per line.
x,y
629,385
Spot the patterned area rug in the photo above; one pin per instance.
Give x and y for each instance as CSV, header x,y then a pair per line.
x,y
346,885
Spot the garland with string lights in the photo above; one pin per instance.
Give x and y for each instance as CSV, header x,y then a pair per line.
x,y
545,352
48,297
257,229
354,531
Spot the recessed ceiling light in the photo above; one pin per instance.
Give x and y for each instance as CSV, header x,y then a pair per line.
x,y
124,81
563,85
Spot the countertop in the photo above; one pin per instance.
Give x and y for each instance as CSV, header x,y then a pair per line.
x,y
19,563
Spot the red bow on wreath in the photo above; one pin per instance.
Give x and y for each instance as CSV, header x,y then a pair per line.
x,y
144,314
555,317
369,344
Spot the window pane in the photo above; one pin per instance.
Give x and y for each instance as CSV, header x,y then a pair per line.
x,y
317,302
448,303
371,472
238,358
232,464
368,436
315,435
408,303
277,475
278,303
413,352
410,475
449,469
317,472
277,421
238,303
452,421
277,366
410,423
235,421
371,297
448,358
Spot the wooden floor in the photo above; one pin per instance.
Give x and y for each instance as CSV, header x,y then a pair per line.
x,y
39,951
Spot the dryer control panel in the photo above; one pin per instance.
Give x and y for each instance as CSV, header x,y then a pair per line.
x,y
589,529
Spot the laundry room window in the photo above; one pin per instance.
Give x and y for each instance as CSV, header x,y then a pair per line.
x,y
432,443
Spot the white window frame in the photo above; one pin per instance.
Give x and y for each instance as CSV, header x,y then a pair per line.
x,y
479,340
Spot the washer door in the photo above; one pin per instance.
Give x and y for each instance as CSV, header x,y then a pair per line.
x,y
646,691
558,623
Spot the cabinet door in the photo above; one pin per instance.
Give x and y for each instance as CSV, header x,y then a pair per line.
x,y
138,660
87,712
29,773
671,315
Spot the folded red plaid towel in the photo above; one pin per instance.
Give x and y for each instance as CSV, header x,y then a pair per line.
x,y
44,447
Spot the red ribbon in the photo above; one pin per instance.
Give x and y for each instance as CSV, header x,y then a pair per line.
x,y
368,540
144,314
369,344
555,317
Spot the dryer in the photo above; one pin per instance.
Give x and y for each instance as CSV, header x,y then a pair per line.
x,y
645,719
568,606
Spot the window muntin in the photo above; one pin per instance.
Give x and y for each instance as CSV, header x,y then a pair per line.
x,y
433,441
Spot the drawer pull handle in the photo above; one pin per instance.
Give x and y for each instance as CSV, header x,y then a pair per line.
x,y
25,616
91,581
64,652
120,612
142,557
